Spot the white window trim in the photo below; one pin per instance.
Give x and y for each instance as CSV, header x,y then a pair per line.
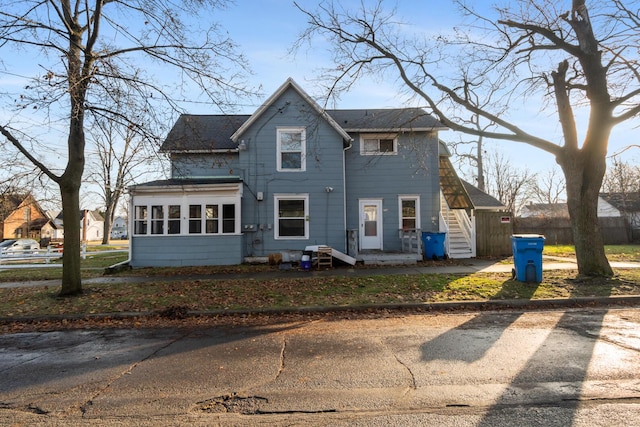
x,y
276,218
379,136
403,197
184,202
303,148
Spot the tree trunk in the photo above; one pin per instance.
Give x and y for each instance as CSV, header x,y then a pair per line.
x,y
71,278
108,221
584,173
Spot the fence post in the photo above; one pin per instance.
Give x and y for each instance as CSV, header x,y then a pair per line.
x,y
84,250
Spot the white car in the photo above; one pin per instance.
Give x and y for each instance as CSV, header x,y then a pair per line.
x,y
18,246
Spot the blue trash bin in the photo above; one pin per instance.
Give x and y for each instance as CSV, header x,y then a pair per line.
x,y
433,245
527,257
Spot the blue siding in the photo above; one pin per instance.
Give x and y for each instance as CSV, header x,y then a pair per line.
x,y
204,165
178,251
324,168
414,170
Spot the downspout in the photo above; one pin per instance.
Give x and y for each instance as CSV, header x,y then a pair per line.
x,y
344,192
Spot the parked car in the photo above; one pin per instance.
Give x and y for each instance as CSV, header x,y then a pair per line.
x,y
19,246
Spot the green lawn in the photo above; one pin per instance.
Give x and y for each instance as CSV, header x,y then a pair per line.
x,y
288,292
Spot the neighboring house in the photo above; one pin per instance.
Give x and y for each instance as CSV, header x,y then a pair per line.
x,y
560,210
119,228
20,217
552,220
53,228
289,176
628,204
91,225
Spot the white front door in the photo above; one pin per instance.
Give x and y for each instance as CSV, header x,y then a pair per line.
x,y
371,224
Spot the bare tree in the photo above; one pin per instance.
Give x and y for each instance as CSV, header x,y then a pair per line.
x,y
621,177
87,49
511,185
549,187
582,59
122,156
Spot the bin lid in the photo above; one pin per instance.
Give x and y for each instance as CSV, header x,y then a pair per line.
x,y
527,236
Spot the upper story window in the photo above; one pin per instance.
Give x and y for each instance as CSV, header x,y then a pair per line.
x,y
291,150
375,145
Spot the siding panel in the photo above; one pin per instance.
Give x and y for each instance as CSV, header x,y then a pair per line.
x,y
178,251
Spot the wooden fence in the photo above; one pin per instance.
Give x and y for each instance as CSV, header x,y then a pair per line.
x,y
493,233
557,231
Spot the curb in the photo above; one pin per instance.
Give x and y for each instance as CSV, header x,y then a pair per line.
x,y
437,307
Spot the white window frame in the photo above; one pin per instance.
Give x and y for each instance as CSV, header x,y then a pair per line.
x,y
184,201
303,149
378,136
416,199
276,216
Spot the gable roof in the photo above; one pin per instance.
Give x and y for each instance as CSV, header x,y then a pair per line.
x,y
221,133
203,133
547,210
481,199
385,120
624,202
285,86
9,203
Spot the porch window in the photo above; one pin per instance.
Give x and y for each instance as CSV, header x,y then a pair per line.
x,y
375,145
195,219
140,220
174,220
291,150
212,213
228,218
212,219
157,220
291,213
409,212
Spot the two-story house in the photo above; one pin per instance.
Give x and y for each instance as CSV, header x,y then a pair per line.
x,y
289,176
20,217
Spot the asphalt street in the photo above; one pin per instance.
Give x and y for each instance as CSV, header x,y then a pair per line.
x,y
543,368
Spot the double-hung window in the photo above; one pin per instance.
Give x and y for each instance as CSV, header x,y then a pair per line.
x,y
291,150
157,220
291,213
409,212
140,219
373,145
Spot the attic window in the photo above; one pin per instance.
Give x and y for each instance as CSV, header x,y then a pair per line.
x,y
375,145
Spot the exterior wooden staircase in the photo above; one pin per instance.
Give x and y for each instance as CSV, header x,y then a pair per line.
x,y
460,240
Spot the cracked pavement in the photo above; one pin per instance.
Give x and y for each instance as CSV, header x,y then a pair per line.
x,y
572,366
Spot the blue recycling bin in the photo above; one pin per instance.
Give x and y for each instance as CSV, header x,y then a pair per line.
x,y
433,245
527,257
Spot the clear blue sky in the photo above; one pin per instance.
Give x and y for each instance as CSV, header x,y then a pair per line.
x,y
266,30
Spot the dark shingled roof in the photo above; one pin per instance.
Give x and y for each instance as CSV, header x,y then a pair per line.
x,y
546,210
213,132
203,132
187,181
395,119
481,199
624,202
9,203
